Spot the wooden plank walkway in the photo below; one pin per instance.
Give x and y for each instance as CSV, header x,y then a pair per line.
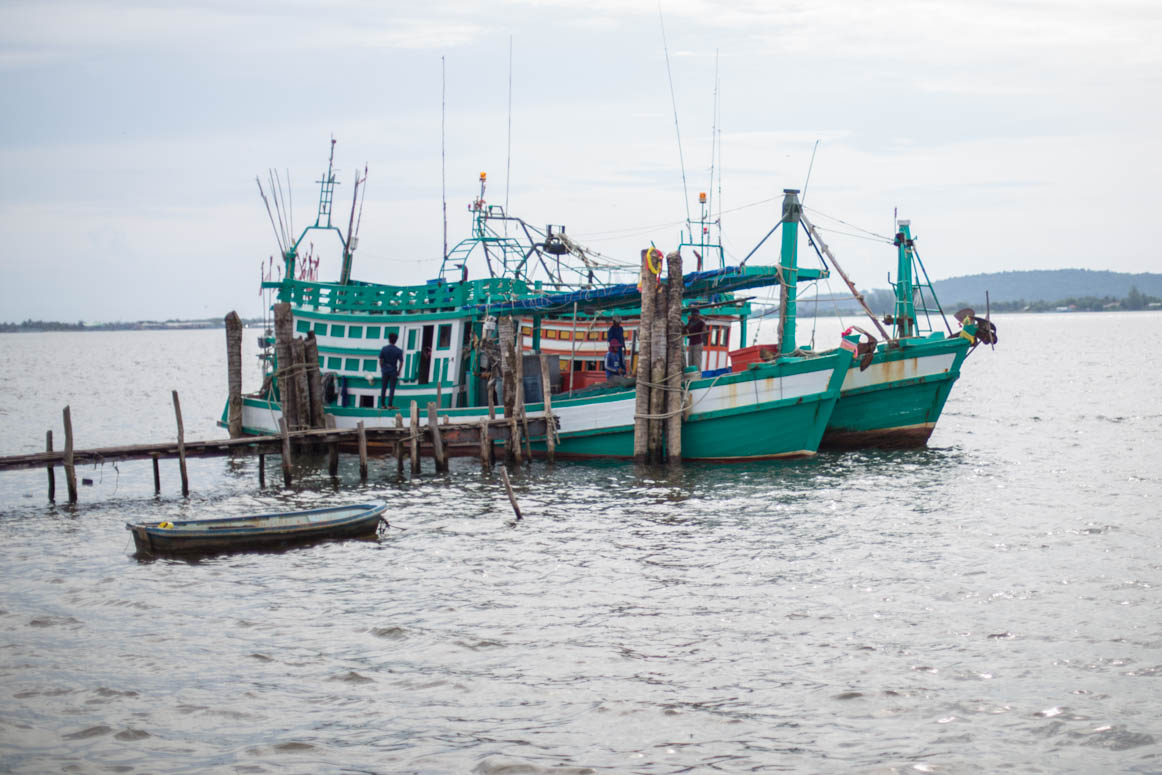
x,y
456,435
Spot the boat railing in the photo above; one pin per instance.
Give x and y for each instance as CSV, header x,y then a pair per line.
x,y
374,298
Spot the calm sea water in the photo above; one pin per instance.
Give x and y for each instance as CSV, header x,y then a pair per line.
x,y
989,604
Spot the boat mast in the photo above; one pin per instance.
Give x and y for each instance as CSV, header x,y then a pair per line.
x,y
905,312
789,270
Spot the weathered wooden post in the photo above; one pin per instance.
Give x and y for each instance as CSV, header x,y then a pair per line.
x,y
362,452
512,449
492,392
414,440
485,445
399,444
508,489
286,451
234,373
520,395
50,468
550,425
314,381
177,409
644,339
283,334
70,467
302,417
333,458
675,392
156,476
658,350
437,440
261,470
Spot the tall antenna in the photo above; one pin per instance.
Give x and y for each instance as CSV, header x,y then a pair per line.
x,y
674,102
713,131
443,157
803,198
508,163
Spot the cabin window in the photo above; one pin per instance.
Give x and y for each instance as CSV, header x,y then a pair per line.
x,y
367,402
321,364
412,339
373,332
352,364
337,330
567,335
595,336
549,333
320,329
444,339
303,326
726,338
526,330
334,363
370,364
355,332
389,330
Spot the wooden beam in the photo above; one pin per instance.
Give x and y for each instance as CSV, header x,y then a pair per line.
x,y
414,439
286,451
438,452
234,373
177,409
70,467
362,452
51,470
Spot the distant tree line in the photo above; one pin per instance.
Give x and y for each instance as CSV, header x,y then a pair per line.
x,y
883,302
29,326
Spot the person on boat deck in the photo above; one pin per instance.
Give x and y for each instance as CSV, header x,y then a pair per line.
x,y
695,328
614,360
390,362
615,334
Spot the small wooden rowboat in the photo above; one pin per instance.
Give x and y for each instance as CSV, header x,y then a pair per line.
x,y
258,530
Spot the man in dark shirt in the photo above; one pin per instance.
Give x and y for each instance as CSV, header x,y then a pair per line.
x,y
616,337
696,329
390,362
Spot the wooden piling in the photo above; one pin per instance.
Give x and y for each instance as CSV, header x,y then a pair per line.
x,y
362,452
492,393
485,445
70,468
234,373
302,417
519,364
399,446
551,427
156,476
333,458
51,470
314,381
644,340
675,396
505,326
508,489
283,334
658,349
286,451
177,410
261,471
414,439
438,451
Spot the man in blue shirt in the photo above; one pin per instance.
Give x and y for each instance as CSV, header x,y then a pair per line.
x,y
614,360
390,362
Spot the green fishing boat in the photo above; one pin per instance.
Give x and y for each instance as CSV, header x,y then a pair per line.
x,y
448,331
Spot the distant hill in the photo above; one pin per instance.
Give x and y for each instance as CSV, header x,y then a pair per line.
x,y
1044,285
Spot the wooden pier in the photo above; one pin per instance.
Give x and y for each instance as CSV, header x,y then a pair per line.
x,y
439,438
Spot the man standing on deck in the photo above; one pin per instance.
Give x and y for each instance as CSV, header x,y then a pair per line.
x,y
695,328
390,362
615,336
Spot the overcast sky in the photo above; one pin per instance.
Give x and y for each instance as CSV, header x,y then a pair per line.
x,y
1015,135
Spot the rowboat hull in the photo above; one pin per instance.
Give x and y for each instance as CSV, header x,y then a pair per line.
x,y
257,531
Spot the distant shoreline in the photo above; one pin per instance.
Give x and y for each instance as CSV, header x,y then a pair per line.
x,y
49,326
45,326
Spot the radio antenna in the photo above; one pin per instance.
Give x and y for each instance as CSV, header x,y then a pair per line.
x,y
443,156
674,102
